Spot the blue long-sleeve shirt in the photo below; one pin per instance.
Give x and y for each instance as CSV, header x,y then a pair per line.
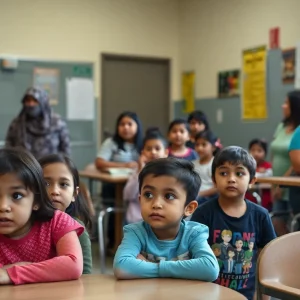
x,y
188,256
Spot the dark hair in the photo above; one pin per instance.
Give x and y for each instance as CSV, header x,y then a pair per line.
x,y
28,170
234,155
251,240
262,143
153,133
294,118
179,122
180,169
210,137
78,208
138,139
230,249
200,117
239,239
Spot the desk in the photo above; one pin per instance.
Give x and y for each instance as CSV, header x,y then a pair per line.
x,y
94,174
287,181
95,287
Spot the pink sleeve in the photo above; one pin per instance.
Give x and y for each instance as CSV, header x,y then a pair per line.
x,y
67,265
62,223
131,189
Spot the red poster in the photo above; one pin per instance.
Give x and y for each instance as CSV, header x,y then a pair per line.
x,y
274,38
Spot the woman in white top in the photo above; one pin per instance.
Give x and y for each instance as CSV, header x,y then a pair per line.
x,y
206,145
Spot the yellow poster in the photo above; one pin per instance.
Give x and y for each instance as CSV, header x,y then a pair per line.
x,y
254,102
188,91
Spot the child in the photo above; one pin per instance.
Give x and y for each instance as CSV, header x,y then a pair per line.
x,y
155,146
205,146
198,122
258,148
62,184
37,242
120,151
178,134
232,219
165,245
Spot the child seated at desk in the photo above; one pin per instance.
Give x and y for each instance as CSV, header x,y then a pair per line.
x,y
238,228
165,245
154,147
178,135
258,148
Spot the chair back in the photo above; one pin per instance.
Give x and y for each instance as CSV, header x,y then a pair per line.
x,y
279,264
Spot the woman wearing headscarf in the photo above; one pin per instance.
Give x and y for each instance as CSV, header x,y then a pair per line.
x,y
37,128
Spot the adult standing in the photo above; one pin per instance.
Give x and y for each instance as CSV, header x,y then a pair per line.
x,y
281,162
37,128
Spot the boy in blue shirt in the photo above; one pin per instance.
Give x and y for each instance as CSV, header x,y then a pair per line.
x,y
165,245
240,227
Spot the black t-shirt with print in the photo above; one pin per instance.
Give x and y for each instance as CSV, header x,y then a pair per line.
x,y
235,242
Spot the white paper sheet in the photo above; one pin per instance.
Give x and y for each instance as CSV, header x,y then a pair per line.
x,y
80,99
297,78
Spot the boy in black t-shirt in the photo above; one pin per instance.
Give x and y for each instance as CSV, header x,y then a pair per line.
x,y
240,227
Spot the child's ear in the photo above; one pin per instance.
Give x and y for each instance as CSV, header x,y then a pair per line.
x,y
140,198
166,152
76,192
190,208
252,182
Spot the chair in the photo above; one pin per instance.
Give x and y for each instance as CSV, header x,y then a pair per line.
x,y
104,209
278,268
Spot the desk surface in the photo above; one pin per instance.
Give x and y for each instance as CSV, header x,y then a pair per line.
x,y
102,176
95,287
292,181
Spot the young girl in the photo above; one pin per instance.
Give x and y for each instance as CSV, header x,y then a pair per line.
x,y
120,151
206,145
178,135
258,148
155,146
62,184
37,242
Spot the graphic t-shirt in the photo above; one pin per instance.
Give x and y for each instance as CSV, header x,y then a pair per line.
x,y
235,242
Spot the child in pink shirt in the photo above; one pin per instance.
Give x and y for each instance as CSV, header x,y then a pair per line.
x,y
154,147
37,242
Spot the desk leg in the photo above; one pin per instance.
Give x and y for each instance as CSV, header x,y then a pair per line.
x,y
118,215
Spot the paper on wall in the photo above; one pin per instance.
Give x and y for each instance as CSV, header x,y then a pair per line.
x,y
80,99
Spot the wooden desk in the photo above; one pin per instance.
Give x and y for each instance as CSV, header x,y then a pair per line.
x,y
95,287
290,181
94,174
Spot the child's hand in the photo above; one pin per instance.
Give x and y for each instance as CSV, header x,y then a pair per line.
x,y
4,278
261,170
131,165
141,257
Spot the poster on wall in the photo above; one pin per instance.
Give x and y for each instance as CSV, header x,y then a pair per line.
x,y
288,65
254,102
48,80
229,83
188,91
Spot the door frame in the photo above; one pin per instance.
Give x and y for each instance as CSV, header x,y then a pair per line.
x,y
149,59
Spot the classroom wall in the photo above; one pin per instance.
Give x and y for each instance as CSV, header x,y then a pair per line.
x,y
213,34
79,30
